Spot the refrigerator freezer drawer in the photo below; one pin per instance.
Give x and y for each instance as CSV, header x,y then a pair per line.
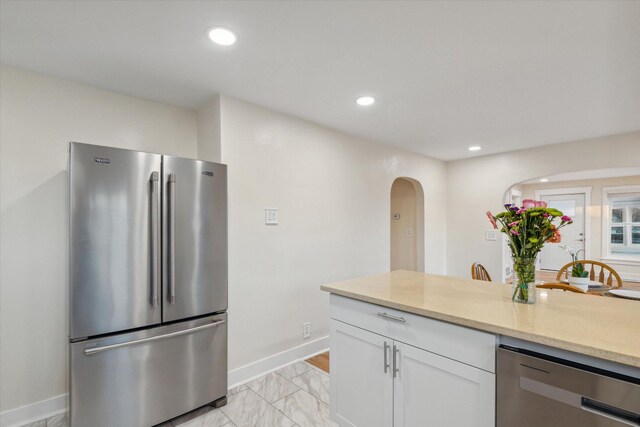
x,y
143,378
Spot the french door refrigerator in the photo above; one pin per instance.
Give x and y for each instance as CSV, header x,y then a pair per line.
x,y
148,286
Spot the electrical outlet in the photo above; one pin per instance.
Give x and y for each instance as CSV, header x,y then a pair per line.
x,y
491,235
306,330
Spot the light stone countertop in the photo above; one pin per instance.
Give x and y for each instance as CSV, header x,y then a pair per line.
x,y
608,328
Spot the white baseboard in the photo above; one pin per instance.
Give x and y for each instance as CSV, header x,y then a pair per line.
x,y
630,277
272,363
56,405
34,412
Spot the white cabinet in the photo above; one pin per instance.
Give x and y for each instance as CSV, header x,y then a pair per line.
x,y
391,368
361,390
431,390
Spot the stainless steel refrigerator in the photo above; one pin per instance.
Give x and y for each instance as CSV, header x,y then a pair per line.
x,y
148,286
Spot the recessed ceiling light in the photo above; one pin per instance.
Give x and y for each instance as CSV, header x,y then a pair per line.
x,y
544,180
365,100
222,36
475,148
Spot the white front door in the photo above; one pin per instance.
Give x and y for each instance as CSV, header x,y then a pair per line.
x,y
552,257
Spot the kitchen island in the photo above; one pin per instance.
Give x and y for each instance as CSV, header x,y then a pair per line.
x,y
408,346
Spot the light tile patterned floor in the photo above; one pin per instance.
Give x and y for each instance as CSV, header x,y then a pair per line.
x,y
294,396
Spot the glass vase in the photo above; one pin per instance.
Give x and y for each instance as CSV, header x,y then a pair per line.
x,y
524,280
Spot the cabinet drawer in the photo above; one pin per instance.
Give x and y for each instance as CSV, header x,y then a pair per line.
x,y
475,348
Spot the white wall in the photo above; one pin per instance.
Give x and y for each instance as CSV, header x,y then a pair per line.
x,y
39,116
333,196
209,133
478,184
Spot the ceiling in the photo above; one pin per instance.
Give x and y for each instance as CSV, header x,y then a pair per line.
x,y
447,75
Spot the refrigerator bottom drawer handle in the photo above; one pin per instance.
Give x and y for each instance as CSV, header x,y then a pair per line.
x,y
94,350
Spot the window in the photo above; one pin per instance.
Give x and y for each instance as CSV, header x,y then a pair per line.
x,y
621,209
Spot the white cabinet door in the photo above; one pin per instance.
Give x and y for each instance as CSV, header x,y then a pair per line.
x,y
431,390
361,390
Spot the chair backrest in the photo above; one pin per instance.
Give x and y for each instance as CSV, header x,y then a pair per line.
x,y
478,272
605,275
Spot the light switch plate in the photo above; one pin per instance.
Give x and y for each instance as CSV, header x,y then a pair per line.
x,y
491,235
271,216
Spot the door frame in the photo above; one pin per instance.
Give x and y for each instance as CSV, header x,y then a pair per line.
x,y
587,204
511,194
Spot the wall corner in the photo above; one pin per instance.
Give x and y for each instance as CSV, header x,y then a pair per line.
x,y
209,145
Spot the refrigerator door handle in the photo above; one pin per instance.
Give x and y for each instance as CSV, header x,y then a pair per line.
x,y
171,195
94,350
155,233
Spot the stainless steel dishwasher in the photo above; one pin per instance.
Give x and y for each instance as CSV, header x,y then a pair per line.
x,y
536,390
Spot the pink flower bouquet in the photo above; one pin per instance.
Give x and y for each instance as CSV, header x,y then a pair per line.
x,y
528,228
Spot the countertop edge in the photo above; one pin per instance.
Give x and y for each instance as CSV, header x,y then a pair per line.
x,y
514,333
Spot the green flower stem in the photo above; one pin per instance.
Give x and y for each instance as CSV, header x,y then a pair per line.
x,y
525,269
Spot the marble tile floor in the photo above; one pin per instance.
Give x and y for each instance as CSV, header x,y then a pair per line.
x,y
294,396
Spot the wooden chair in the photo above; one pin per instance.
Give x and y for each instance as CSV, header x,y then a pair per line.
x,y
478,272
564,272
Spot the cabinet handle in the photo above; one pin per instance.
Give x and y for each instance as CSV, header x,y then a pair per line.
x,y
386,361
396,350
391,317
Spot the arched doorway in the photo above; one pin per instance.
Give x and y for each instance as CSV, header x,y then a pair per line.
x,y
407,225
586,196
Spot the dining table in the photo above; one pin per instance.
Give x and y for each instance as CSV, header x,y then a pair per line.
x,y
549,277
